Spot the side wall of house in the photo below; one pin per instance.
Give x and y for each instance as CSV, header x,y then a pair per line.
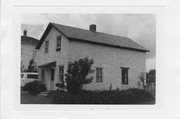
x,y
59,56
110,59
26,53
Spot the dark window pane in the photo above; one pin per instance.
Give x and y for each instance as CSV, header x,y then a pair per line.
x,y
99,75
61,73
124,72
46,46
58,43
33,76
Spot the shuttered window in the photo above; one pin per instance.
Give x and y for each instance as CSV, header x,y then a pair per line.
x,y
46,47
43,75
61,73
58,43
124,74
99,75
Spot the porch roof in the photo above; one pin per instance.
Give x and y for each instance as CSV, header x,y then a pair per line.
x,y
47,64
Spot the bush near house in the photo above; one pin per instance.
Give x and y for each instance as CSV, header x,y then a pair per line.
x,y
131,96
34,87
77,74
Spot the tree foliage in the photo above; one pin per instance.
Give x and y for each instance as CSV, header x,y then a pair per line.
x,y
151,76
142,78
32,66
77,74
34,87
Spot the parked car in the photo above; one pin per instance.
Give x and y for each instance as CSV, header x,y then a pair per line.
x,y
28,77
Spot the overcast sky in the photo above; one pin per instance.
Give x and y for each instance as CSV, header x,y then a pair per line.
x,y
139,27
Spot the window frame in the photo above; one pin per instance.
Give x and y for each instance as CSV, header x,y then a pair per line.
x,y
34,53
99,75
43,75
124,75
58,43
46,48
32,76
61,74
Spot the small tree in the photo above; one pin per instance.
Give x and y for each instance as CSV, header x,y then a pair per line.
x,y
142,78
77,74
22,67
32,66
151,76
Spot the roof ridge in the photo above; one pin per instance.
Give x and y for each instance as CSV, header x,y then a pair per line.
x,y
89,30
87,35
30,37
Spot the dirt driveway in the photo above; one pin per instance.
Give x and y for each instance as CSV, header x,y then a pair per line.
x,y
34,99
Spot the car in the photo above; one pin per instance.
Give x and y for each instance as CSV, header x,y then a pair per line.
x,y
28,77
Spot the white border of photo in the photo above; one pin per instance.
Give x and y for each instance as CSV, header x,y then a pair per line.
x,y
166,95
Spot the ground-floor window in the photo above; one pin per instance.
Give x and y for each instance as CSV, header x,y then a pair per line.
x,y
61,73
124,75
52,74
99,75
43,75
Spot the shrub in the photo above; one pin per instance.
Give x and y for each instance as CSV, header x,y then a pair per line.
x,y
131,96
77,74
35,87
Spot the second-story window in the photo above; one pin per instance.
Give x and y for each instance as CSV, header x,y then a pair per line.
x,y
46,46
34,53
58,43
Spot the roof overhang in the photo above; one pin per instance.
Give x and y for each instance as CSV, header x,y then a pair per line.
x,y
82,40
49,64
109,45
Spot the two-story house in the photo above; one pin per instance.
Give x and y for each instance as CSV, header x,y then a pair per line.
x,y
118,61
28,49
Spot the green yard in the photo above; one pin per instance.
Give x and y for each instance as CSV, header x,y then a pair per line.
x,y
132,96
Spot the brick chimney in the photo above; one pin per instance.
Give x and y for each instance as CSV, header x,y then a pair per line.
x,y
92,27
25,32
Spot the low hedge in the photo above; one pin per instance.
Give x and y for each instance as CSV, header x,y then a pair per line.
x,y
130,96
34,87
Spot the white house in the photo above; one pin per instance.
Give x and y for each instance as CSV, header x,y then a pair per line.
x,y
28,51
118,61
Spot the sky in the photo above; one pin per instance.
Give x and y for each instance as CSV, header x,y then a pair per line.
x,y
139,27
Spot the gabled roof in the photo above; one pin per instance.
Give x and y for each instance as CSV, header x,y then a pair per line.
x,y
30,40
82,35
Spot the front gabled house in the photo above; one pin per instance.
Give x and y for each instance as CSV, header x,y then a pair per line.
x,y
118,61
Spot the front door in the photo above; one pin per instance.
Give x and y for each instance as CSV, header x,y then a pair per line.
x,y
52,79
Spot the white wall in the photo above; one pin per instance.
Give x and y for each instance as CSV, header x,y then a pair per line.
x,y
59,56
111,59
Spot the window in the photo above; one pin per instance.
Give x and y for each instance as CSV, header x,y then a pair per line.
x,y
58,43
46,46
32,76
22,75
124,73
52,74
61,73
99,75
43,75
34,53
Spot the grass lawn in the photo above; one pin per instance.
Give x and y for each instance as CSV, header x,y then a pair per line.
x,y
132,96
27,98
